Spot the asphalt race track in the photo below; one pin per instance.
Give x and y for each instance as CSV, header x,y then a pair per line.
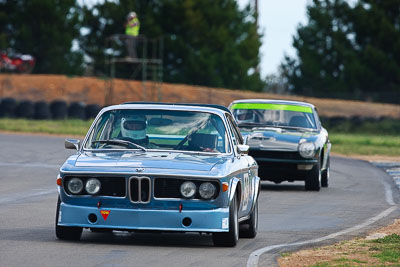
x,y
360,197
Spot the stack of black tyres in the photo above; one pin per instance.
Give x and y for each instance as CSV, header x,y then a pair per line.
x,y
76,110
8,106
41,110
91,111
25,109
59,109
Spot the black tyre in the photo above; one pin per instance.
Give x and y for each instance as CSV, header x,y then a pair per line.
x,y
7,107
42,111
251,224
91,111
59,109
229,239
325,175
313,181
25,68
25,109
65,232
76,110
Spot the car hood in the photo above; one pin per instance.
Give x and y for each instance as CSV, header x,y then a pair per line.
x,y
148,160
277,138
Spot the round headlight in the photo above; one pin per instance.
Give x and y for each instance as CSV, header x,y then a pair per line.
x,y
207,190
93,186
188,189
75,186
307,149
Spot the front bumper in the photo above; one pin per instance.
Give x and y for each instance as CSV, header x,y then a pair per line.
x,y
215,220
279,170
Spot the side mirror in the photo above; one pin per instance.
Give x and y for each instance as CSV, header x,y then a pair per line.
x,y
72,144
243,149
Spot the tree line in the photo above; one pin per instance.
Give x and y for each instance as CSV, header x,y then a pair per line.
x,y
346,49
210,43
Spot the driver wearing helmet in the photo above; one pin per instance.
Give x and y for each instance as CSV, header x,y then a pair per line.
x,y
133,128
245,115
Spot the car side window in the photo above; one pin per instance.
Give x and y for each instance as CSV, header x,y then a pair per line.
x,y
234,139
316,117
234,131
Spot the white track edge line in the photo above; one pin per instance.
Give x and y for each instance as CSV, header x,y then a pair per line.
x,y
254,257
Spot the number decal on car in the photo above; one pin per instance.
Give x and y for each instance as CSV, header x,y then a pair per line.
x,y
246,191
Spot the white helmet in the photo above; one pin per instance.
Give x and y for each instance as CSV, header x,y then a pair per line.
x,y
245,115
134,127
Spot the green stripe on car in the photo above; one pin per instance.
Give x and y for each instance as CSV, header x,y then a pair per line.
x,y
271,107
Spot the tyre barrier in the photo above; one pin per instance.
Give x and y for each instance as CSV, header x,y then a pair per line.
x,y
76,110
91,111
25,109
7,107
59,109
42,111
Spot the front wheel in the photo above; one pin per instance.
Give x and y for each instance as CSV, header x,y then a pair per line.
x,y
325,175
313,181
66,232
229,239
252,224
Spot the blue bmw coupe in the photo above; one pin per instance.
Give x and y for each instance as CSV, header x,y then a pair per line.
x,y
160,167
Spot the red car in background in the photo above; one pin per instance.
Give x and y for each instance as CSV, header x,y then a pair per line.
x,y
11,61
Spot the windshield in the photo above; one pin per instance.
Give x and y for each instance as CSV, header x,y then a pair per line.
x,y
277,115
159,129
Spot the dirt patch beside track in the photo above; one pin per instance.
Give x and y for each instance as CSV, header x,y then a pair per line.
x,y
356,252
93,91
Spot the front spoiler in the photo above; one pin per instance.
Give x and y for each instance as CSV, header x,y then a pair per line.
x,y
294,161
284,170
216,220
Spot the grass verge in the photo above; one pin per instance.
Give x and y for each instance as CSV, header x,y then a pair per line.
x,y
365,144
358,252
62,127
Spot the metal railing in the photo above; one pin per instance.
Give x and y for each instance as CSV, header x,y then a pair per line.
x,y
146,64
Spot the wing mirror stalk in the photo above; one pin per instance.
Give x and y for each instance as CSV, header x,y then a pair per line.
x,y
72,144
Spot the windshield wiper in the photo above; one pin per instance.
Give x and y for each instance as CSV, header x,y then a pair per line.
x,y
296,128
120,142
251,124
260,125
